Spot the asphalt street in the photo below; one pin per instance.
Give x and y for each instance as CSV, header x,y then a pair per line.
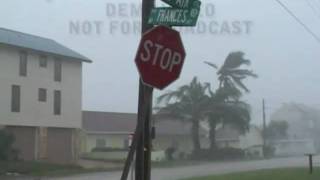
x,y
176,173
204,169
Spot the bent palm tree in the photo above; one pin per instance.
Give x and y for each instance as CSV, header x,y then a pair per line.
x,y
231,74
187,103
224,105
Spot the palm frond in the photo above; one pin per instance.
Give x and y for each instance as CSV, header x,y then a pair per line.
x,y
235,60
243,73
211,64
239,83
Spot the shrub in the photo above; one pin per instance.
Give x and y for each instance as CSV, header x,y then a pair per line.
x,y
108,149
268,151
169,153
219,154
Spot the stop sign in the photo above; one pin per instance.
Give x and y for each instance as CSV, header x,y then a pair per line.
x,y
160,56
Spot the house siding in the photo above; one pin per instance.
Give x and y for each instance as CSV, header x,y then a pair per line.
x,y
112,140
24,125
32,112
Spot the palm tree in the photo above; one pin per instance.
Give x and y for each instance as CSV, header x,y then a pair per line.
x,y
187,103
224,106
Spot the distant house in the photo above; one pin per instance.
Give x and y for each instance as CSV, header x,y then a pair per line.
x,y
40,96
293,147
114,130
303,130
251,141
104,129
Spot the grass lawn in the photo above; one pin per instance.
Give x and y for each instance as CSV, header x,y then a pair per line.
x,y
42,169
275,174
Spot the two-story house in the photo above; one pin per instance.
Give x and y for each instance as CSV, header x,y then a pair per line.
x,y
40,96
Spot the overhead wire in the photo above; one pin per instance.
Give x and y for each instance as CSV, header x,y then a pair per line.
x,y
317,38
317,5
315,11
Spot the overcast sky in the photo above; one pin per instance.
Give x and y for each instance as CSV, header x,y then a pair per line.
x,y
283,54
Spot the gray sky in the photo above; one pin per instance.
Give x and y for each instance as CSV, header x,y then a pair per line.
x,y
285,57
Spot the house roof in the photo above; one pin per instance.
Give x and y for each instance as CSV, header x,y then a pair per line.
x,y
172,127
227,133
93,121
36,43
230,132
111,122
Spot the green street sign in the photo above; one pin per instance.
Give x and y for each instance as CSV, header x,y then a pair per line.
x,y
174,16
184,4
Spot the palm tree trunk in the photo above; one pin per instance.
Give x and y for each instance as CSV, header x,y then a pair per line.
x,y
195,136
212,136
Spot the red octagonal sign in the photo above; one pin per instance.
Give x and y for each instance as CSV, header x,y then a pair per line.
x,y
160,56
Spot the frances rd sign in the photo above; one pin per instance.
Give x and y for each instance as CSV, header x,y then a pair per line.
x,y
160,57
174,16
183,13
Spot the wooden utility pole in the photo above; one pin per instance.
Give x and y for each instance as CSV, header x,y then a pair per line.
x,y
264,126
155,75
141,142
143,153
143,150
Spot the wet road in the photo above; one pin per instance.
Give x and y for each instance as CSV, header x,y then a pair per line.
x,y
176,173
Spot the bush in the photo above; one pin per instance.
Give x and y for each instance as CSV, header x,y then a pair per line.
x,y
6,150
108,149
219,154
268,151
169,153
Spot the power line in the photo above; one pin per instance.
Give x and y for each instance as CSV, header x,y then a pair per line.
x,y
299,21
312,8
316,2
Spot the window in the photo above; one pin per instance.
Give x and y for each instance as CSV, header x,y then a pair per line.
x,y
43,61
42,95
57,102
15,98
57,70
100,143
23,64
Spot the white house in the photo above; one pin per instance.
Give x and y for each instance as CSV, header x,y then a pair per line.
x,y
40,96
303,129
